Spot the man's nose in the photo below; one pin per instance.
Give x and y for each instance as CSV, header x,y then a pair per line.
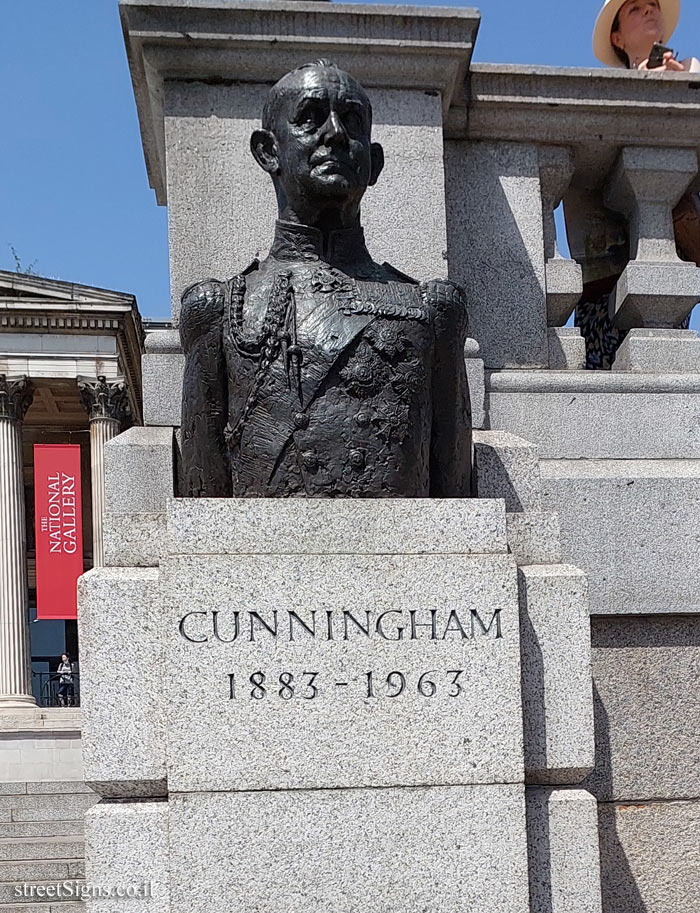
x,y
333,130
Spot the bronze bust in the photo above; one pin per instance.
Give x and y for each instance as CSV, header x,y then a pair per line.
x,y
318,372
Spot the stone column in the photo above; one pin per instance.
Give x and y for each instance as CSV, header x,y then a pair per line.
x,y
15,668
563,277
657,288
106,404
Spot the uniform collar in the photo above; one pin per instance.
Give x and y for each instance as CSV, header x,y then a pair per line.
x,y
304,242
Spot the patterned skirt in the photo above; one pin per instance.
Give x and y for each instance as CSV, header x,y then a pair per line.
x,y
602,338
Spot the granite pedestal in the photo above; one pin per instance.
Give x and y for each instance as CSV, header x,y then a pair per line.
x,y
327,696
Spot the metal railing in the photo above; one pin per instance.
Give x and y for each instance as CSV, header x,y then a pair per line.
x,y
50,691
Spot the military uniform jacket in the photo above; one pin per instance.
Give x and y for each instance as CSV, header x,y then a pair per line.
x,y
321,373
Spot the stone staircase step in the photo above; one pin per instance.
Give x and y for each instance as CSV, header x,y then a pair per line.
x,y
24,848
57,787
14,829
72,906
26,907
8,895
69,807
32,870
13,789
43,787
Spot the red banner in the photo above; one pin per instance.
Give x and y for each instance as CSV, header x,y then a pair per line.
x,y
59,529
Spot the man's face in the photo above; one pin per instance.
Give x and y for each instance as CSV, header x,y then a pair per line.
x,y
322,128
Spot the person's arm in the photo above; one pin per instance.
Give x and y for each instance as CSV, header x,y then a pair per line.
x,y
206,471
451,433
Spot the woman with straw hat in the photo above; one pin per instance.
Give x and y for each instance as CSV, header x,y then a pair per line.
x,y
626,31
624,35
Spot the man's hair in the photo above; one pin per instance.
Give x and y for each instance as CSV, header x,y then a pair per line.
x,y
619,53
274,96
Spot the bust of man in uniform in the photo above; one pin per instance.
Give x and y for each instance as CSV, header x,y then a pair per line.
x,y
318,372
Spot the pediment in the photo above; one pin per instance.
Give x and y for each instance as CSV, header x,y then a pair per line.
x,y
30,287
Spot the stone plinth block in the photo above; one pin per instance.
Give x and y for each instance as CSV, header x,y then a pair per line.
x,y
556,684
139,481
162,387
134,540
645,673
576,415
564,288
533,537
651,294
633,527
650,351
562,836
126,848
163,342
316,671
507,467
318,526
649,857
448,849
567,348
120,628
139,471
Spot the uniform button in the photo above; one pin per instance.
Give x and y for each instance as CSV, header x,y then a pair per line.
x,y
363,419
301,420
310,460
357,459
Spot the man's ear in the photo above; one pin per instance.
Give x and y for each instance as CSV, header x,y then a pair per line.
x,y
263,145
616,40
377,159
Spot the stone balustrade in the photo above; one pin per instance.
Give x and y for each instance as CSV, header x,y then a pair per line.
x,y
620,148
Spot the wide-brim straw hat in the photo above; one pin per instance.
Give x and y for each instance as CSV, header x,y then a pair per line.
x,y
602,45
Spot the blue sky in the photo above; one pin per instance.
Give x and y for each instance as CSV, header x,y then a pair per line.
x,y
74,197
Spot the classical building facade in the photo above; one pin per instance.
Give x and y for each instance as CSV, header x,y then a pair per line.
x,y
70,373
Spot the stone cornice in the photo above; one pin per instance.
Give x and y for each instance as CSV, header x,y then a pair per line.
x,y
15,397
257,41
117,316
595,111
37,321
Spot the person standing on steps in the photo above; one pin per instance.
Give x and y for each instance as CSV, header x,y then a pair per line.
x,y
65,681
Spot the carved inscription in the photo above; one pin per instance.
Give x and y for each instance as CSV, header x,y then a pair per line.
x,y
307,686
199,627
238,627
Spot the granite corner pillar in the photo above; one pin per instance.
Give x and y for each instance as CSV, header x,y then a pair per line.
x,y
106,403
15,667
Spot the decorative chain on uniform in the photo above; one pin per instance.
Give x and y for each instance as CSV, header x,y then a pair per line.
x,y
274,338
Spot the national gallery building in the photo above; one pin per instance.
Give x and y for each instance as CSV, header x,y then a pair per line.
x,y
70,374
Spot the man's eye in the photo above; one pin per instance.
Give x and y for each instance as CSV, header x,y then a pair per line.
x,y
311,116
353,121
